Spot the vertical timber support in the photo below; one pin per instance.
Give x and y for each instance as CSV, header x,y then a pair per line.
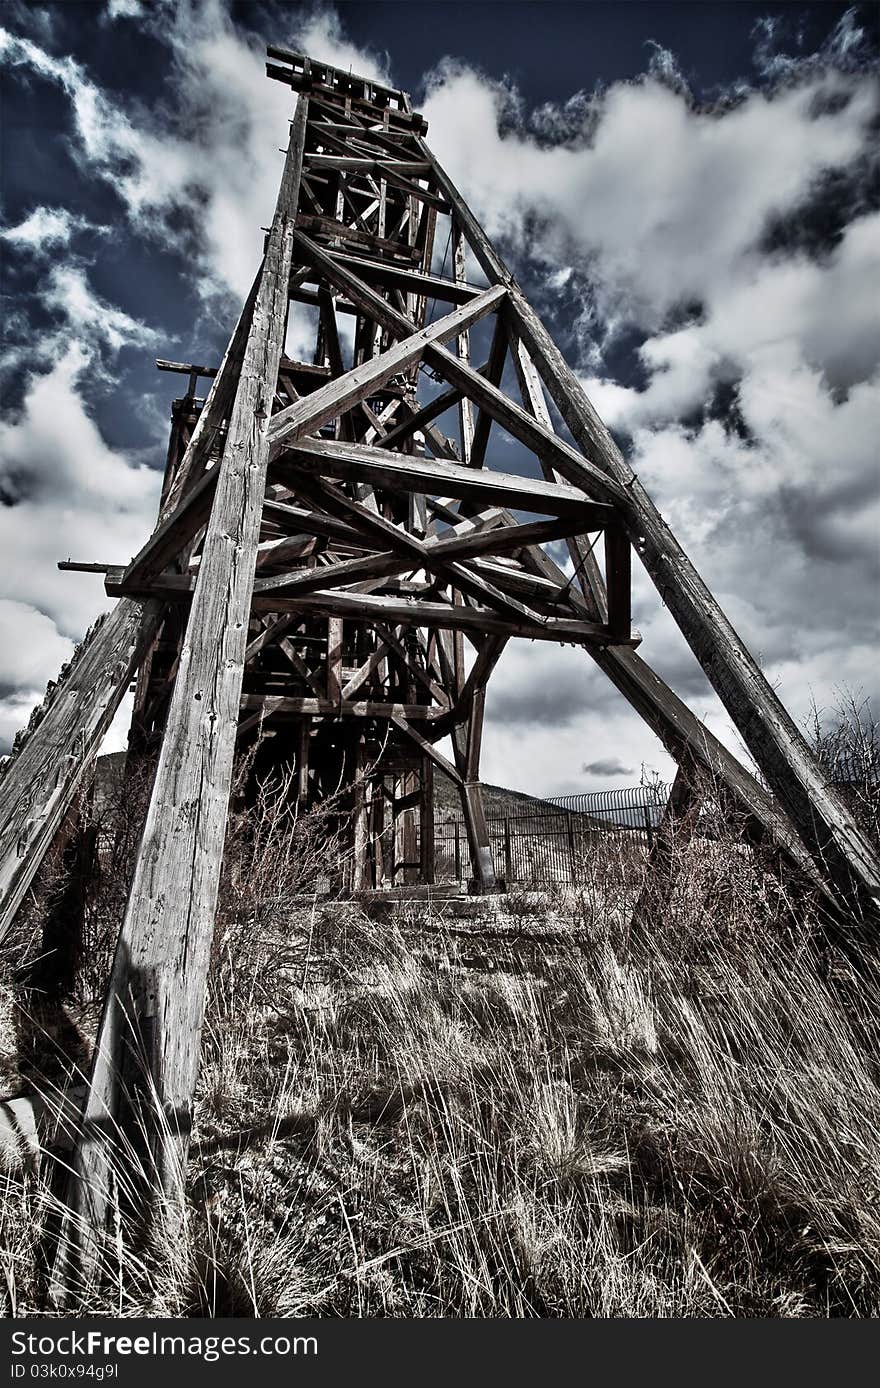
x,y
482,862
156,998
360,821
674,833
302,765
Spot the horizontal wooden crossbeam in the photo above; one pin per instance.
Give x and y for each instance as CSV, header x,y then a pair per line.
x,y
399,472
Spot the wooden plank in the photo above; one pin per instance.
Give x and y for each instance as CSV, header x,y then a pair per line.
x,y
463,352
495,540
484,880
410,281
39,781
340,231
365,671
374,166
328,708
413,612
181,525
157,990
331,458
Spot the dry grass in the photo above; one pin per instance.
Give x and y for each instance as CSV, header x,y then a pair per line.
x,y
552,1116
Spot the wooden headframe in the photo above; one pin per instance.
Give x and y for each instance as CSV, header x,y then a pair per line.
x,y
325,556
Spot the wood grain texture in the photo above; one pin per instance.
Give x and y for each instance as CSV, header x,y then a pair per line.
x,y
40,780
157,992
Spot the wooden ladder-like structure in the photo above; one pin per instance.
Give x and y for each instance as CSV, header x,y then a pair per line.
x,y
323,554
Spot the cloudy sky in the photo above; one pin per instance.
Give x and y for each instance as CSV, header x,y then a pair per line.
x,y
688,192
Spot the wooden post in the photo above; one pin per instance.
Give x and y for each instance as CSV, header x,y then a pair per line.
x,y
380,852
302,766
156,998
334,659
673,834
618,571
465,410
426,823
482,865
359,822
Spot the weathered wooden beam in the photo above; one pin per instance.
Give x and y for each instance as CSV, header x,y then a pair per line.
x,y
40,780
410,281
618,579
157,991
330,708
495,540
180,525
334,659
494,373
332,458
428,749
416,612
673,834
365,671
463,351
427,848
374,166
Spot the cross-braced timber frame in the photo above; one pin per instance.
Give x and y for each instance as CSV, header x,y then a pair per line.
x,y
325,556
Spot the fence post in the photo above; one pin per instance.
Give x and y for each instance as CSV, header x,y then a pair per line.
x,y
570,827
649,827
508,856
457,852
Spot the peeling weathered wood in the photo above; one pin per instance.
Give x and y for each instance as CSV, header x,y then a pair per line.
x,y
39,781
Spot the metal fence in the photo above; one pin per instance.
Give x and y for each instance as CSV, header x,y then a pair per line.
x,y
549,845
